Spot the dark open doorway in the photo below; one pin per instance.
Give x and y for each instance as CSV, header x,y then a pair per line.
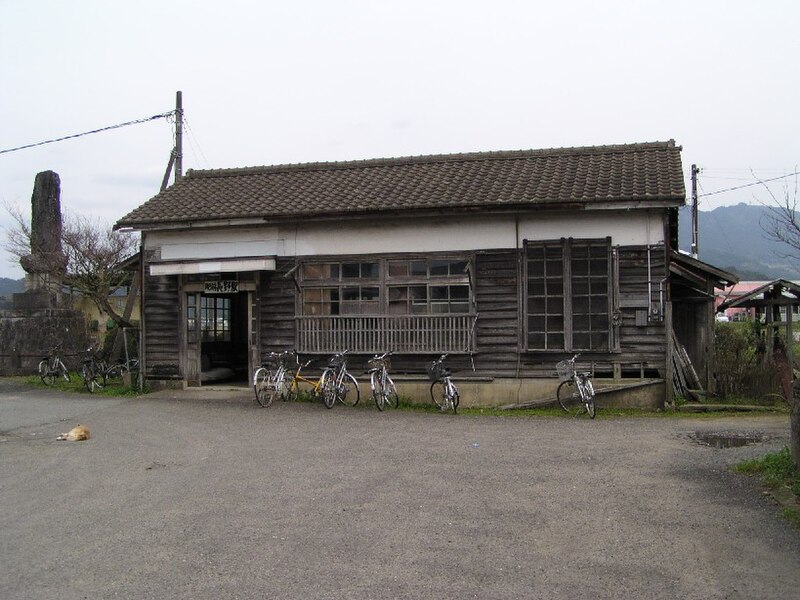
x,y
223,322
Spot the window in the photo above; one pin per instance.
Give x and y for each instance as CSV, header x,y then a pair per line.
x,y
215,318
567,294
396,287
321,301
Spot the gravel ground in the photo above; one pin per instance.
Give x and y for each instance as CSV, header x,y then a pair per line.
x,y
204,495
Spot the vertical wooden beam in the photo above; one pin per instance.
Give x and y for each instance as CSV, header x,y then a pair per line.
x,y
789,339
669,390
178,136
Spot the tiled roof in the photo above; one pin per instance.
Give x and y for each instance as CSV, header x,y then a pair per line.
x,y
649,172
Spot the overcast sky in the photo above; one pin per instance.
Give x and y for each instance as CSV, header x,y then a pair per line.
x,y
303,81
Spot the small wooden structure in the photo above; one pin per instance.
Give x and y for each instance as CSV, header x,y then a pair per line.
x,y
693,283
768,300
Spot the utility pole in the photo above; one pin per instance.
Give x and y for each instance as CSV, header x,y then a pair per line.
x,y
178,136
695,216
176,156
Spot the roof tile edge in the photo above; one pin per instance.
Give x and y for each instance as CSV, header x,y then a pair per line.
x,y
435,158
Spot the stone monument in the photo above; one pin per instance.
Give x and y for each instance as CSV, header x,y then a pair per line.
x,y
42,317
47,261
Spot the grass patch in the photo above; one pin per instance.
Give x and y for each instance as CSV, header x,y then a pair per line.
x,y
76,385
778,472
777,469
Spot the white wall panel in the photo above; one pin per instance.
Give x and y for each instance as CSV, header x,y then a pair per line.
x,y
405,235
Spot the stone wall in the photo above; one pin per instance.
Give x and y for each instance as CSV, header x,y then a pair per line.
x,y
26,338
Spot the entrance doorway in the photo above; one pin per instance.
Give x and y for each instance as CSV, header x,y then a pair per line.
x,y
217,338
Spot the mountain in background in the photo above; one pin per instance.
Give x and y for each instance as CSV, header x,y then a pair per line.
x,y
11,286
732,238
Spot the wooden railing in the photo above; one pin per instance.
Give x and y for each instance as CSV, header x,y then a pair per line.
x,y
375,334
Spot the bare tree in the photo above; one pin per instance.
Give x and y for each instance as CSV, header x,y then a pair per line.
x,y
92,263
783,225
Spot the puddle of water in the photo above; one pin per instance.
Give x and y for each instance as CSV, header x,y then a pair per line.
x,y
724,439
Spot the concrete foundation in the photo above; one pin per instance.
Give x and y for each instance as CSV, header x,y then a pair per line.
x,y
507,393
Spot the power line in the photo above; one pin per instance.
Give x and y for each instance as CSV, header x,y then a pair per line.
x,y
76,135
738,187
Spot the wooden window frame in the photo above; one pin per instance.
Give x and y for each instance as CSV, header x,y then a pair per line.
x,y
457,275
553,307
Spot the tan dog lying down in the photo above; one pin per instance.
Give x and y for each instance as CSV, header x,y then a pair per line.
x,y
76,434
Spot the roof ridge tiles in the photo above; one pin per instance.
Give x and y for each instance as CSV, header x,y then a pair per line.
x,y
432,159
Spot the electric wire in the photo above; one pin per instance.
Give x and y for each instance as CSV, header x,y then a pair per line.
x,y
193,142
746,185
76,135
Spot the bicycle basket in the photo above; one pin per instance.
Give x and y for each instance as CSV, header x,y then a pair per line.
x,y
437,371
566,370
378,363
337,360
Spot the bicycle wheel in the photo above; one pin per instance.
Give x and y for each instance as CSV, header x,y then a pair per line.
x,y
348,392
282,385
265,394
63,372
452,391
588,390
438,396
378,393
390,391
44,373
91,379
293,390
328,388
101,369
116,374
260,380
566,394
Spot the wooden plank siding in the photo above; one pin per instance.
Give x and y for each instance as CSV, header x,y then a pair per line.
x,y
276,309
497,287
499,330
641,344
501,326
497,296
163,319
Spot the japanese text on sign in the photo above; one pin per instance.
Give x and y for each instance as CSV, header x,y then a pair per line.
x,y
228,286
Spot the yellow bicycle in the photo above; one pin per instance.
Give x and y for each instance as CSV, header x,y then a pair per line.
x,y
294,391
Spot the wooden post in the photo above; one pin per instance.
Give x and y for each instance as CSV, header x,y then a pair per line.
x,y
695,215
178,136
769,331
789,339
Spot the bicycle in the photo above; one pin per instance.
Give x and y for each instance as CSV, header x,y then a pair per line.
x,y
93,370
444,392
338,384
575,388
52,367
383,389
298,378
119,371
268,384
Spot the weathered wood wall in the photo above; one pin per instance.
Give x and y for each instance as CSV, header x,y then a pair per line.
x,y
162,321
499,331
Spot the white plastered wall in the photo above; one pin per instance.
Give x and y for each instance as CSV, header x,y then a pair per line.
x,y
392,235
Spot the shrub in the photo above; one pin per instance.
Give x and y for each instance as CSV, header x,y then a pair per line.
x,y
741,368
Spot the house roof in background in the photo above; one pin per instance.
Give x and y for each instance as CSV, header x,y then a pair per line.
x,y
780,291
594,175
